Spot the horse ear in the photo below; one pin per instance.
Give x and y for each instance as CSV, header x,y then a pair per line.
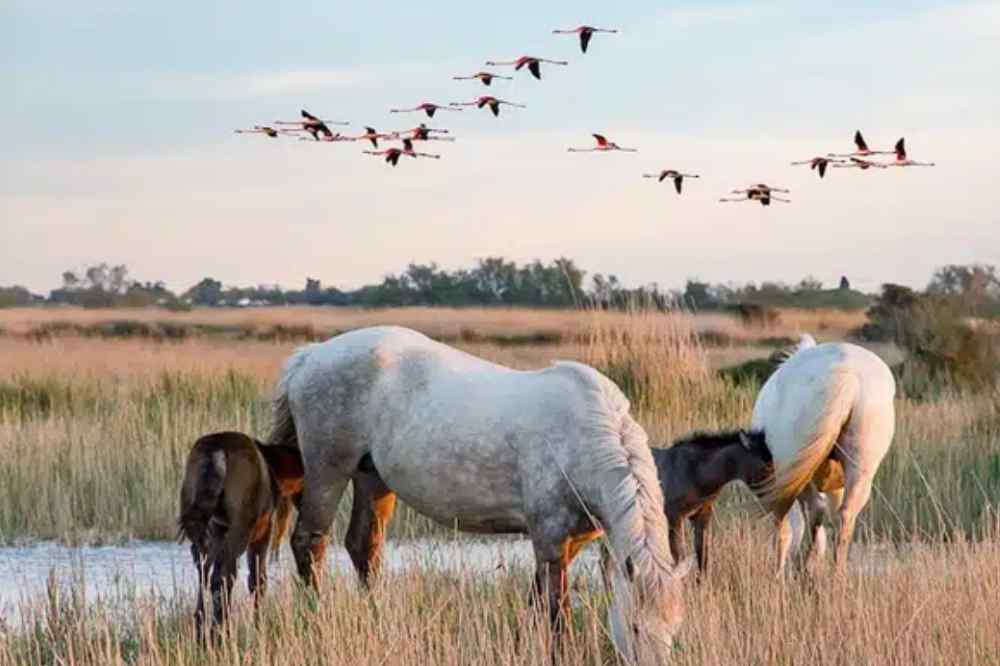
x,y
744,437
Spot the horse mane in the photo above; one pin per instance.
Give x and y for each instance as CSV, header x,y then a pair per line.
x,y
633,515
716,440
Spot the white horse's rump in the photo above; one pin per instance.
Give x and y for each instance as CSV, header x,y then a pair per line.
x,y
484,448
828,417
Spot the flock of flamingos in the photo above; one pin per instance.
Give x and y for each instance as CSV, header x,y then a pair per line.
x,y
319,130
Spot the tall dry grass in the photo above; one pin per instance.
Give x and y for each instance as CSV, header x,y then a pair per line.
x,y
933,604
93,433
451,324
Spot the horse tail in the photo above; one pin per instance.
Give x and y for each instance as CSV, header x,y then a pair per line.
x,y
282,517
283,431
790,479
201,491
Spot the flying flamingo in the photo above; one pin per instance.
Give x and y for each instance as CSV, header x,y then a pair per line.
x,y
901,159
392,155
861,148
409,152
677,177
819,164
263,129
336,137
759,192
373,136
423,133
312,124
534,64
485,77
585,32
857,163
602,145
427,107
490,101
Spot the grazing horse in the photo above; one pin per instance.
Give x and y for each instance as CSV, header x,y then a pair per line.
x,y
236,496
695,470
476,446
829,418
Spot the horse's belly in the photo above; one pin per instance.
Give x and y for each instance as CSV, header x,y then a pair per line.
x,y
473,489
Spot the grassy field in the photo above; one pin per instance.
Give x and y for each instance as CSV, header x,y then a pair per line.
x,y
97,414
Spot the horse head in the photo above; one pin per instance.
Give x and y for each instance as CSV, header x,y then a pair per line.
x,y
646,611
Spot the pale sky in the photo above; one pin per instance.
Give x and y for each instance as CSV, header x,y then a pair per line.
x,y
119,146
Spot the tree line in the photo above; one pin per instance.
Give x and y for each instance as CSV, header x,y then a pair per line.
x,y
493,281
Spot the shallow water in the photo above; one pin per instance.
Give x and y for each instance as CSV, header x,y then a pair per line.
x,y
164,568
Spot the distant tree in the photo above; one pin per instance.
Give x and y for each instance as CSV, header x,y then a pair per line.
x,y
810,283
699,296
971,286
207,292
17,295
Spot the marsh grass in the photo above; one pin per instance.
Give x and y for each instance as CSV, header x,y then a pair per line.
x,y
918,603
94,431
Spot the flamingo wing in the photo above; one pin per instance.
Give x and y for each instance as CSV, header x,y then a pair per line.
x,y
821,167
677,183
585,35
663,176
859,141
900,150
494,107
535,68
601,140
309,116
408,145
429,109
487,79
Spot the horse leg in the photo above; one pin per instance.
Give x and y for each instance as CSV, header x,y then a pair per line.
x,y
814,505
223,577
551,586
201,562
857,491
676,534
371,512
257,560
789,534
701,520
324,486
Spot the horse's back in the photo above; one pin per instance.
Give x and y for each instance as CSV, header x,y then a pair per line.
x,y
813,382
449,432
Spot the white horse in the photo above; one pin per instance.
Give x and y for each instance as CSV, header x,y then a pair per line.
x,y
553,454
827,413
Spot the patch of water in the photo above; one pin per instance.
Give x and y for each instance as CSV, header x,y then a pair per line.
x,y
164,568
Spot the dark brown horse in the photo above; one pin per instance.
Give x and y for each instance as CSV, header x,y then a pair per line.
x,y
237,496
695,470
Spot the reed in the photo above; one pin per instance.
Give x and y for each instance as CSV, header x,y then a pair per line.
x,y
924,603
